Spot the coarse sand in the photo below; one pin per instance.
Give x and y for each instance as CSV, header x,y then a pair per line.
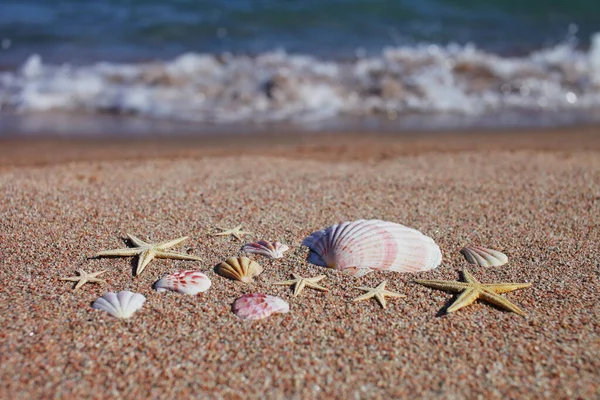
x,y
541,208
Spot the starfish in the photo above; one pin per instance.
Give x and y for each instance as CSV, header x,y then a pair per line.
x,y
236,232
379,293
148,251
300,283
84,277
473,290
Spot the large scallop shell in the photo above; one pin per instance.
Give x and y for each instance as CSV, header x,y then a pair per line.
x,y
186,282
239,268
362,246
258,305
269,249
120,305
484,257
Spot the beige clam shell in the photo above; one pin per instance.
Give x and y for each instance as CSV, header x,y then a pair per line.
x,y
239,269
484,257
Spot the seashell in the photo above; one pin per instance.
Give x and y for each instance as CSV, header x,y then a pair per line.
x,y
258,306
362,246
120,305
271,250
186,282
239,268
484,257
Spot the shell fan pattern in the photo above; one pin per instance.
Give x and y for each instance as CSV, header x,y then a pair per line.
x,y
239,268
268,249
258,306
484,257
186,282
120,305
362,246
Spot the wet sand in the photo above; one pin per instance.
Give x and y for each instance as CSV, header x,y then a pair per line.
x,y
535,197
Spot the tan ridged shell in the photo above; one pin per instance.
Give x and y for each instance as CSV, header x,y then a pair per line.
x,y
484,257
239,268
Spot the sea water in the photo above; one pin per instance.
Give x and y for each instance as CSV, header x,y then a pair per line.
x,y
309,63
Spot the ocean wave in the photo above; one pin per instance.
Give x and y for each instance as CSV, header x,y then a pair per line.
x,y
277,86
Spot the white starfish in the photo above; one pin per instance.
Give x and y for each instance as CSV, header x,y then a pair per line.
x,y
300,283
83,278
236,232
148,251
379,293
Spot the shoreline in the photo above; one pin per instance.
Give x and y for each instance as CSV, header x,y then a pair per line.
x,y
349,146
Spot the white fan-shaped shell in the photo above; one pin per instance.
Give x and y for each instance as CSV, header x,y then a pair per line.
x,y
186,282
362,246
258,306
484,257
120,305
268,249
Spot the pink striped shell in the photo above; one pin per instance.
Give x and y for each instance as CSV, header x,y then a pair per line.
x,y
186,282
362,246
258,306
268,249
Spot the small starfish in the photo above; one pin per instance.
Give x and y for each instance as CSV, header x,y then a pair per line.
x,y
300,282
148,251
379,293
473,290
84,278
236,232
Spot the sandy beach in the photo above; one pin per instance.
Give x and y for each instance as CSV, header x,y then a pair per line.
x,y
534,196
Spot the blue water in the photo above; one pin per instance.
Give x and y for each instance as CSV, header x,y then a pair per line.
x,y
311,63
84,30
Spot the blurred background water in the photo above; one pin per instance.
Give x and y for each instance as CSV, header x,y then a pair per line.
x,y
309,61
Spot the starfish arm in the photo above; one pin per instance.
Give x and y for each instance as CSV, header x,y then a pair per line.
x,y
381,299
299,286
505,287
290,282
176,256
80,284
119,252
444,285
468,297
71,278
137,241
468,277
237,236
315,286
364,296
500,302
144,260
95,274
171,243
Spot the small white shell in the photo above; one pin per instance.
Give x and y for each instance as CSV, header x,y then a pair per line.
x,y
186,282
484,257
362,246
121,305
258,306
271,250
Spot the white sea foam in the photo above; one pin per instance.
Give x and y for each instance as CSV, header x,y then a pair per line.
x,y
277,86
